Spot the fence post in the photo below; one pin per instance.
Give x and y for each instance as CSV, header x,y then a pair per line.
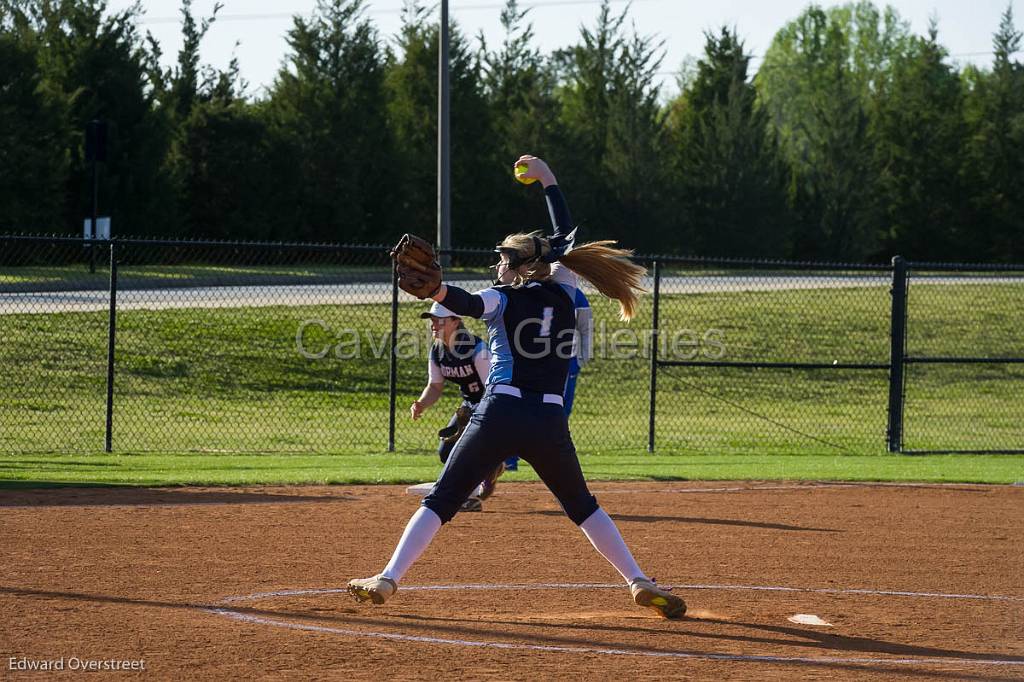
x,y
393,379
654,355
111,339
897,349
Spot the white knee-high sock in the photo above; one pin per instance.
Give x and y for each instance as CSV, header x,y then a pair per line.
x,y
420,530
606,539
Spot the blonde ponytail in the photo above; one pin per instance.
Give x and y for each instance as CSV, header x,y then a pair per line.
x,y
611,271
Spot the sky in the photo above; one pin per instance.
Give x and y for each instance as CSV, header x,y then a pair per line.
x,y
254,30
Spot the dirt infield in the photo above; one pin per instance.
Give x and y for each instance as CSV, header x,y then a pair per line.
x,y
209,583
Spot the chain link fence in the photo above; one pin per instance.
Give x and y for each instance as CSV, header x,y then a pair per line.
x,y
964,359
772,357
207,353
53,346
243,347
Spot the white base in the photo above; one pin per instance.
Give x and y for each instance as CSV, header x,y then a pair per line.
x,y
808,619
423,489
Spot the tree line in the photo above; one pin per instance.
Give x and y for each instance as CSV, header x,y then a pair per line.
x,y
855,139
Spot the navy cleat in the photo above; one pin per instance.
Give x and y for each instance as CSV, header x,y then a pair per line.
x,y
473,504
491,482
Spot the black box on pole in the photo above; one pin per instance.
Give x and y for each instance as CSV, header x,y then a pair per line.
x,y
96,141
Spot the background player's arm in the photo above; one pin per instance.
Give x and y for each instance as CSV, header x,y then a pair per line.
x,y
430,395
431,392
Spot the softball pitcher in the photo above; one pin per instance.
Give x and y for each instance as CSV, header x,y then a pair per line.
x,y
531,321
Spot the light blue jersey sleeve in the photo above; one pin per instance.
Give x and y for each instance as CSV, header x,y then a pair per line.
x,y
500,357
494,304
583,347
568,279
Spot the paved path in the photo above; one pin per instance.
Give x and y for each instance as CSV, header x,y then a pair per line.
x,y
376,293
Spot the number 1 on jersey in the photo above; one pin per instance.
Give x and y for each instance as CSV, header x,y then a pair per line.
x,y
545,323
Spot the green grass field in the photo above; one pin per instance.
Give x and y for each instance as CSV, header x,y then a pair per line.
x,y
202,383
159,469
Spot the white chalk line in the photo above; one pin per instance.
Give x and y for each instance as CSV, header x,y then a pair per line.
x,y
489,644
620,586
634,491
746,489
739,658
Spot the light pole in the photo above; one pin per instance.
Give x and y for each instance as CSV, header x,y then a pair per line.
x,y
444,165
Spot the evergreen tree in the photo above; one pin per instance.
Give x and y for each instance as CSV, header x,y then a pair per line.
x,y
586,73
817,81
185,82
331,150
412,116
519,87
995,166
614,133
34,136
919,138
218,157
476,179
841,209
100,64
223,169
412,111
731,176
635,166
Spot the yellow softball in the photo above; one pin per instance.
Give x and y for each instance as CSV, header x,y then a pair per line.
x,y
521,171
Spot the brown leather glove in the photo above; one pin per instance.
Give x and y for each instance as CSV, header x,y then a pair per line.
x,y
450,434
419,273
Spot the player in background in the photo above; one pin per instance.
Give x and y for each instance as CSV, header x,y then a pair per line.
x,y
582,352
462,358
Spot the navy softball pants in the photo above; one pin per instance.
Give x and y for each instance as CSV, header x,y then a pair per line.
x,y
503,425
